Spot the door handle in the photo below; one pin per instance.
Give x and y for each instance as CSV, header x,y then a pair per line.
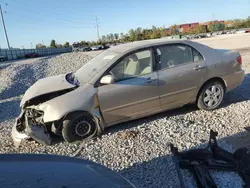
x,y
199,67
149,80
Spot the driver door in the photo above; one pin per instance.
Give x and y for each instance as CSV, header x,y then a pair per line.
x,y
135,91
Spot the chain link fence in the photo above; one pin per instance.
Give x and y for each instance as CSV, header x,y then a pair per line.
x,y
20,53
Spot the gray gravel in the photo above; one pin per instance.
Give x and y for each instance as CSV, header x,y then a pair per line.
x,y
138,149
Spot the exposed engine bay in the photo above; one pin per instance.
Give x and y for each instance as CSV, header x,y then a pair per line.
x,y
30,122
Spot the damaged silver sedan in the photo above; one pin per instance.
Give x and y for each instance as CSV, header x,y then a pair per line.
x,y
126,82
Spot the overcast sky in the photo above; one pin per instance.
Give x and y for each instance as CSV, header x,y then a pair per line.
x,y
40,21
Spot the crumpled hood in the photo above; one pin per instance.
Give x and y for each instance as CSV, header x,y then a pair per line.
x,y
46,85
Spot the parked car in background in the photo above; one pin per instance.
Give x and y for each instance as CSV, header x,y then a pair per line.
x,y
31,55
39,170
98,47
126,82
84,49
2,58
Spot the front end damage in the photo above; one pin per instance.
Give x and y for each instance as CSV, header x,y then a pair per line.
x,y
44,107
30,124
34,120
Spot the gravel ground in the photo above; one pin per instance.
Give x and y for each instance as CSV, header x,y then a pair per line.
x,y
138,149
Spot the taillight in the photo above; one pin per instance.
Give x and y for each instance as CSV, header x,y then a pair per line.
x,y
239,59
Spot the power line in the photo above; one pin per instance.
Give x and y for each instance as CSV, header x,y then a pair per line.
x,y
5,32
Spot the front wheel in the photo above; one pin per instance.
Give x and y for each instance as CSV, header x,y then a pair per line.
x,y
210,96
78,126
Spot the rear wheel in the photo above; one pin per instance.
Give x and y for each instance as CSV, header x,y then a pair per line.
x,y
78,126
210,96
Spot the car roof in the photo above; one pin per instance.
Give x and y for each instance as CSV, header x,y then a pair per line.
x,y
144,43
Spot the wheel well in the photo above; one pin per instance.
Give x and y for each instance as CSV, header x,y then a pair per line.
x,y
78,111
218,79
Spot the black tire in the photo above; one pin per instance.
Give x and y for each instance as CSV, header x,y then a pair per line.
x,y
78,126
206,95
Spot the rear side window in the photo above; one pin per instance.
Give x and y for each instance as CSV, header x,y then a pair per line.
x,y
197,56
174,55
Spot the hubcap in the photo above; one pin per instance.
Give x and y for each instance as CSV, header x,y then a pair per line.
x,y
213,96
82,128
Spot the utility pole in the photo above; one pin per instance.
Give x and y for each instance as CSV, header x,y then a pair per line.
x,y
31,45
6,36
97,28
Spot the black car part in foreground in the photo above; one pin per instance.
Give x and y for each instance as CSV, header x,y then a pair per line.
x,y
200,161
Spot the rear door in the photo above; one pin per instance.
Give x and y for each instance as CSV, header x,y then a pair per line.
x,y
182,71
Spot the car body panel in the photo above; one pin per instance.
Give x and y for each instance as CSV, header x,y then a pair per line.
x,y
132,97
176,85
45,85
80,99
233,80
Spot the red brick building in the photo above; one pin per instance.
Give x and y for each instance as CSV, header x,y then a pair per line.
x,y
188,27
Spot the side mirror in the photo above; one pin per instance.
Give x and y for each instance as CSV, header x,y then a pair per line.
x,y
107,79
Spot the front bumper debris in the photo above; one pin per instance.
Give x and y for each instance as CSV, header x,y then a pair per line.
x,y
28,126
17,137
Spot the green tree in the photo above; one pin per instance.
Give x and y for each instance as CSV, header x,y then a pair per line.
x,y
39,46
59,46
174,30
84,43
239,23
154,32
201,29
216,27
121,36
112,37
104,38
92,43
138,34
163,32
147,33
248,22
222,27
53,43
131,35
116,36
66,45
108,38
213,27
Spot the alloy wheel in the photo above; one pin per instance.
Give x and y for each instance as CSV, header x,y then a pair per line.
x,y
212,96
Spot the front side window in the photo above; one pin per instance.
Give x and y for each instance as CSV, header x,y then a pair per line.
x,y
174,55
133,65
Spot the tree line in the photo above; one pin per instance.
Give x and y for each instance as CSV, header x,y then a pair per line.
x,y
53,44
158,32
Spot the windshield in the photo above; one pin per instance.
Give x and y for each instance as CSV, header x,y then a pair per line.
x,y
94,66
